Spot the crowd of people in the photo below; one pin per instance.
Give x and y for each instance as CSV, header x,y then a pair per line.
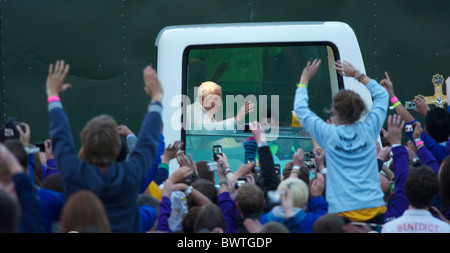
x,y
358,184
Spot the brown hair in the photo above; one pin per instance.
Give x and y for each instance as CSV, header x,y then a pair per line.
x,y
349,106
82,211
208,218
250,199
207,188
303,172
203,172
100,141
189,220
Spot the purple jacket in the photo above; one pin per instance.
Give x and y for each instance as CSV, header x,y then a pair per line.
x,y
228,207
49,168
426,158
398,202
165,209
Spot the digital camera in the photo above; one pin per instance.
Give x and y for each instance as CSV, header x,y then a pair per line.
x,y
9,130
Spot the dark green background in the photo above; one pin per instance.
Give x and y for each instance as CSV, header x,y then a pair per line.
x,y
108,43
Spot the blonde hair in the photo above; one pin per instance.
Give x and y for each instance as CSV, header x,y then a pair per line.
x,y
207,88
299,189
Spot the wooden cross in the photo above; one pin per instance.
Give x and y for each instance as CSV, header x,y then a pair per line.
x,y
438,99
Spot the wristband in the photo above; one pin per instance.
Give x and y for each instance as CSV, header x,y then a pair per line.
x,y
418,143
394,100
360,77
53,99
418,139
296,168
396,104
302,85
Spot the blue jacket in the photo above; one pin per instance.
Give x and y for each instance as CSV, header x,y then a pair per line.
x,y
118,187
51,204
30,221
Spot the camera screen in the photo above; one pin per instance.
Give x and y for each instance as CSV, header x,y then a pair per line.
x,y
217,150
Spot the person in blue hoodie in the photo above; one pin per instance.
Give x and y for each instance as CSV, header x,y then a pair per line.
x,y
353,184
115,183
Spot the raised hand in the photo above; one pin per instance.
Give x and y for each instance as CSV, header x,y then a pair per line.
x,y
345,68
421,106
171,151
387,84
257,132
310,70
184,161
247,108
48,149
395,126
124,131
55,79
25,133
298,157
317,185
417,130
153,86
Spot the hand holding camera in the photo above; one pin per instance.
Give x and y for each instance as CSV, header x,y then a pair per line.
x,y
421,106
319,158
417,133
11,130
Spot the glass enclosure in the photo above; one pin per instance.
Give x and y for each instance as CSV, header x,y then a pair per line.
x,y
265,74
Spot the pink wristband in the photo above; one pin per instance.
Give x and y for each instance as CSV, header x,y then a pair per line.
x,y
418,143
394,99
53,99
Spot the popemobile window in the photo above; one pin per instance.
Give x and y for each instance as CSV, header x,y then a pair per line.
x,y
222,82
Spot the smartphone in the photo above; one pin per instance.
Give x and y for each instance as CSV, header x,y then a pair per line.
x,y
212,166
217,149
308,155
410,105
41,146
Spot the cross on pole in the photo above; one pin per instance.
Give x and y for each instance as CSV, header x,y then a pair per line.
x,y
438,99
